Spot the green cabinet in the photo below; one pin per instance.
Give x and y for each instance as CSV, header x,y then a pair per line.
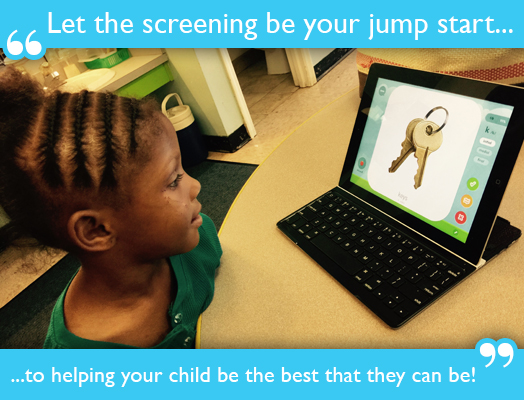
x,y
147,83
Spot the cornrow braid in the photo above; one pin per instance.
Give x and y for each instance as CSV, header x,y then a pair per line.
x,y
50,136
81,177
132,136
50,140
108,175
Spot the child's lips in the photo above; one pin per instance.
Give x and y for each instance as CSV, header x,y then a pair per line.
x,y
196,216
197,221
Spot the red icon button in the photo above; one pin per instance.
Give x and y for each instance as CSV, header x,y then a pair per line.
x,y
460,217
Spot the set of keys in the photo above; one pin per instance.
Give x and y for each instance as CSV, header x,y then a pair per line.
x,y
423,137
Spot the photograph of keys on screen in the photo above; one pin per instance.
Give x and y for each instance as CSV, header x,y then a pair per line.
x,y
430,153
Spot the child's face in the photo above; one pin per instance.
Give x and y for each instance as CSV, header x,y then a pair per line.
x,y
163,217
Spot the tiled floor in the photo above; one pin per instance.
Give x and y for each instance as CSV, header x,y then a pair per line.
x,y
278,107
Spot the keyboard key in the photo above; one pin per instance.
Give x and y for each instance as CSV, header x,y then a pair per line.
x,y
381,254
369,232
382,292
403,269
428,287
324,227
348,244
414,294
433,273
354,235
316,206
385,273
298,223
389,244
345,229
375,265
345,215
397,297
365,258
337,254
413,276
406,243
338,238
429,256
308,214
396,281
379,238
337,223
387,230
421,265
372,283
378,225
399,251
362,240
311,234
356,251
317,222
361,226
330,218
417,249
410,258
331,233
372,247
405,309
455,272
305,228
397,236
445,281
352,221
391,261
292,219
363,275
389,302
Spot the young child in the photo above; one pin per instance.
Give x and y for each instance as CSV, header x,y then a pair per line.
x,y
101,176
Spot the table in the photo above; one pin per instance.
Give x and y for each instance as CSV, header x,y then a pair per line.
x,y
270,294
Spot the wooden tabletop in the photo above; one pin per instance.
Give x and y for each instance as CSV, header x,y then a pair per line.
x,y
270,294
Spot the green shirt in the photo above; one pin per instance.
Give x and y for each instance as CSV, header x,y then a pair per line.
x,y
195,274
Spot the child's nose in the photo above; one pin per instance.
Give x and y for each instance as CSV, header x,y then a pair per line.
x,y
195,188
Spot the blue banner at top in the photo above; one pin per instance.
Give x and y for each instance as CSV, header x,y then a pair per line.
x,y
27,29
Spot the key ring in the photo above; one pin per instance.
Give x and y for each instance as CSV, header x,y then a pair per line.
x,y
445,121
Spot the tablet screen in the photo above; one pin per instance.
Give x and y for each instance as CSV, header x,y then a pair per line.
x,y
466,133
475,131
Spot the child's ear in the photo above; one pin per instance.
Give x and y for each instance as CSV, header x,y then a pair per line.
x,y
90,231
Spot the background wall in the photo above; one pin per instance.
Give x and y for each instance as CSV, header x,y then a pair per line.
x,y
318,54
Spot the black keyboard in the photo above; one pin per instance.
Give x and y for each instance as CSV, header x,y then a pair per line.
x,y
391,273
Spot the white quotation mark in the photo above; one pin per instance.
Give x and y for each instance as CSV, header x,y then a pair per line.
x,y
504,349
15,47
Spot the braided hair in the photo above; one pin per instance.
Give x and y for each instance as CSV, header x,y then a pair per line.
x,y
62,146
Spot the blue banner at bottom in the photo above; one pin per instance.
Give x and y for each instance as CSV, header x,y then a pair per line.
x,y
490,369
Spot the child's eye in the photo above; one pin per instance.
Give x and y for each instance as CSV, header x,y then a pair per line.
x,y
174,184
